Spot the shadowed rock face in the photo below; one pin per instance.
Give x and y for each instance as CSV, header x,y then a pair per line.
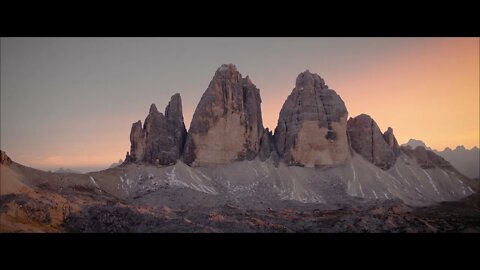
x,y
392,141
4,159
311,129
227,123
267,146
162,137
367,140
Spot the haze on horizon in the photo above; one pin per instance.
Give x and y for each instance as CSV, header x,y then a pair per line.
x,y
70,102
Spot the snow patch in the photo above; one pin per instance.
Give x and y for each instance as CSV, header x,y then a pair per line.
x,y
265,168
93,180
361,191
202,174
354,173
431,182
401,176
256,173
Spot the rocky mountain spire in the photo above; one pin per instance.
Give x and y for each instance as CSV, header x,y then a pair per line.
x,y
160,141
227,123
392,141
174,113
367,140
311,129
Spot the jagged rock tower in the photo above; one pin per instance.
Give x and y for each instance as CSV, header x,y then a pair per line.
x,y
367,140
227,123
311,129
160,141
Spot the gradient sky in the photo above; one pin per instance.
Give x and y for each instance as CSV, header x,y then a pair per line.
x,y
70,102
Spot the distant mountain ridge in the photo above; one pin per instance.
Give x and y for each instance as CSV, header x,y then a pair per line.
x,y
65,170
414,143
465,160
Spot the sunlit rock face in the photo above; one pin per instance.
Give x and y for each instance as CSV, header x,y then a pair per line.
x,y
311,129
227,123
160,141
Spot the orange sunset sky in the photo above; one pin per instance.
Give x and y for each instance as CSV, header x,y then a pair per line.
x,y
71,102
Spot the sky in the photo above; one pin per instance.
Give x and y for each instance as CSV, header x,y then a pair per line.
x,y
70,102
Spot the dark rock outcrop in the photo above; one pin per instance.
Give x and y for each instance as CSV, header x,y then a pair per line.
x,y
227,123
160,141
367,140
4,159
138,142
311,129
392,141
267,146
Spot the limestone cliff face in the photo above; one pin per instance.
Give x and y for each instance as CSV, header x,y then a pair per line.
x,y
160,141
311,129
367,140
227,123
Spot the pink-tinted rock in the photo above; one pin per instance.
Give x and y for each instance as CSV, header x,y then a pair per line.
x,y
367,140
227,123
311,129
392,141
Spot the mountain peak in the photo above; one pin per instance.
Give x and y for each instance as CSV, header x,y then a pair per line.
x,y
414,143
227,68
460,147
308,80
312,108
367,140
227,123
174,108
153,108
160,140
